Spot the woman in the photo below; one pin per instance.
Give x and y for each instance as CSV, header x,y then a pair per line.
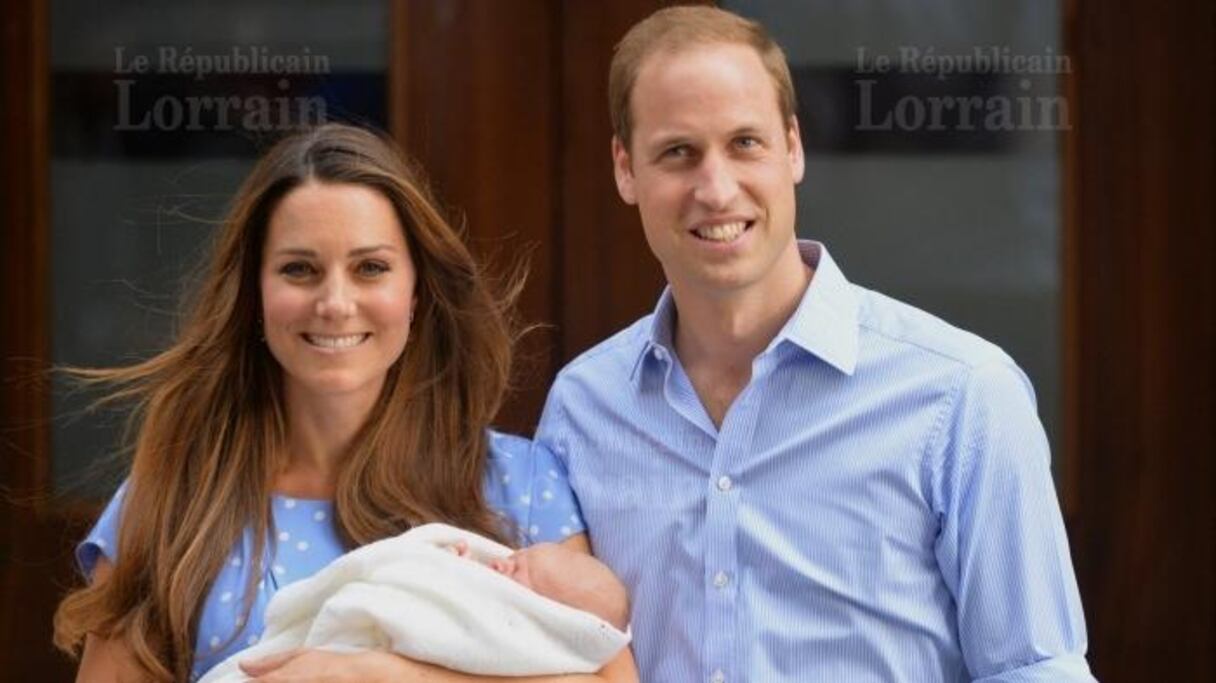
x,y
332,386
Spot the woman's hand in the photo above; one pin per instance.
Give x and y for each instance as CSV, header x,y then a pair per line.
x,y
321,666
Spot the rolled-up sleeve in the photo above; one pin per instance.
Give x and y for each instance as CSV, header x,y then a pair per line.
x,y
1003,550
1061,668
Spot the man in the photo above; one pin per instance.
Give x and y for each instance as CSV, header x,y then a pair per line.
x,y
799,479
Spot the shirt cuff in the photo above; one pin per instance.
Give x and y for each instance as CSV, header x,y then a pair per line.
x,y
1062,669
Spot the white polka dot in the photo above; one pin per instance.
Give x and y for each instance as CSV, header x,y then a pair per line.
x,y
284,537
226,597
565,531
525,499
574,518
319,515
215,642
240,620
236,562
533,530
547,494
302,546
280,569
101,542
289,503
553,474
252,640
506,479
262,585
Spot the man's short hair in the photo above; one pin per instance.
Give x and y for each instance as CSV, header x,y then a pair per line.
x,y
678,28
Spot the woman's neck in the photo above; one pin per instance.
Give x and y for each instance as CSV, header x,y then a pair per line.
x,y
320,430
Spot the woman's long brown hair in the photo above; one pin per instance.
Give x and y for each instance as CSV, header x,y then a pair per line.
x,y
211,421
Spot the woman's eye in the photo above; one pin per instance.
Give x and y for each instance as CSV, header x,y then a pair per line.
x,y
372,268
297,269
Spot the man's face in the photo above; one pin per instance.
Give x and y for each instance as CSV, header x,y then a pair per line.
x,y
711,167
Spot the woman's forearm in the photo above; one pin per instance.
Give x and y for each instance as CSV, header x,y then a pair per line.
x,y
107,661
620,670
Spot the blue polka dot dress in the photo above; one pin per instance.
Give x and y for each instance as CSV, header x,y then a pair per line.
x,y
524,484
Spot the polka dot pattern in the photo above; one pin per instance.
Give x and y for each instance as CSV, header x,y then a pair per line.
x,y
304,542
528,484
525,485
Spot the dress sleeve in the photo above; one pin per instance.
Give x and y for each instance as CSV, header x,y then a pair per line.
x,y
102,540
1002,548
526,484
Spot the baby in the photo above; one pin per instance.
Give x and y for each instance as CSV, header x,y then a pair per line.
x,y
420,595
567,576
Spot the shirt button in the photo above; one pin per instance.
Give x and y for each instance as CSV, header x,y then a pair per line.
x,y
724,483
721,579
718,677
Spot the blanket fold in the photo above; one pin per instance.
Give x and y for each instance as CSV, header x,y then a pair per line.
x,y
412,596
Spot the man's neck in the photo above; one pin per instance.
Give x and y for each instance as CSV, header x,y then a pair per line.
x,y
718,337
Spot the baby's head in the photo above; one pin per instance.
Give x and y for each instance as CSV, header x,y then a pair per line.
x,y
571,578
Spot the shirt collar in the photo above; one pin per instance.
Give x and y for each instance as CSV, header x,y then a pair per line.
x,y
824,324
659,341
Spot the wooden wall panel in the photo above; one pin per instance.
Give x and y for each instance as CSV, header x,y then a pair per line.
x,y
609,276
1142,335
476,100
35,554
505,104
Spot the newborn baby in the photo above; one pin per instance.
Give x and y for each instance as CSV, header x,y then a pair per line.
x,y
567,576
446,596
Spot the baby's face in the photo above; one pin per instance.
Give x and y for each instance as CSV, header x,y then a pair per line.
x,y
569,577
520,566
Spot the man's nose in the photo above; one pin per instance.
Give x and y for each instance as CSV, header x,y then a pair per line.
x,y
336,298
716,185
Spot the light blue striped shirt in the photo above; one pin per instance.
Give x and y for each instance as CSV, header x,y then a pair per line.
x,y
877,505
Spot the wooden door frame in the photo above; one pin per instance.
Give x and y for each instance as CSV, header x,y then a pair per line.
x,y
1140,334
34,558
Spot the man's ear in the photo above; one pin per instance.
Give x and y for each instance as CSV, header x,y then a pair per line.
x,y
797,156
622,169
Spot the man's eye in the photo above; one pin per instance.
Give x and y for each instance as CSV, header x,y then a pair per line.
x,y
372,268
747,142
677,152
297,270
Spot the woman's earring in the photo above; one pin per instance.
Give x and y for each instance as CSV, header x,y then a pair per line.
x,y
261,330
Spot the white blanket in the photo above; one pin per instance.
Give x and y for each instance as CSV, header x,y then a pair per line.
x,y
411,596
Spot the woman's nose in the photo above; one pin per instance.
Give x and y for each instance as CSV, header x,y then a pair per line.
x,y
336,299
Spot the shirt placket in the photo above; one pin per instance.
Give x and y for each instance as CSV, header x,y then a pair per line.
x,y
725,490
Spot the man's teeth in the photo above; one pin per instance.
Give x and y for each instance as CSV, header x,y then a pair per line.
x,y
342,342
726,232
